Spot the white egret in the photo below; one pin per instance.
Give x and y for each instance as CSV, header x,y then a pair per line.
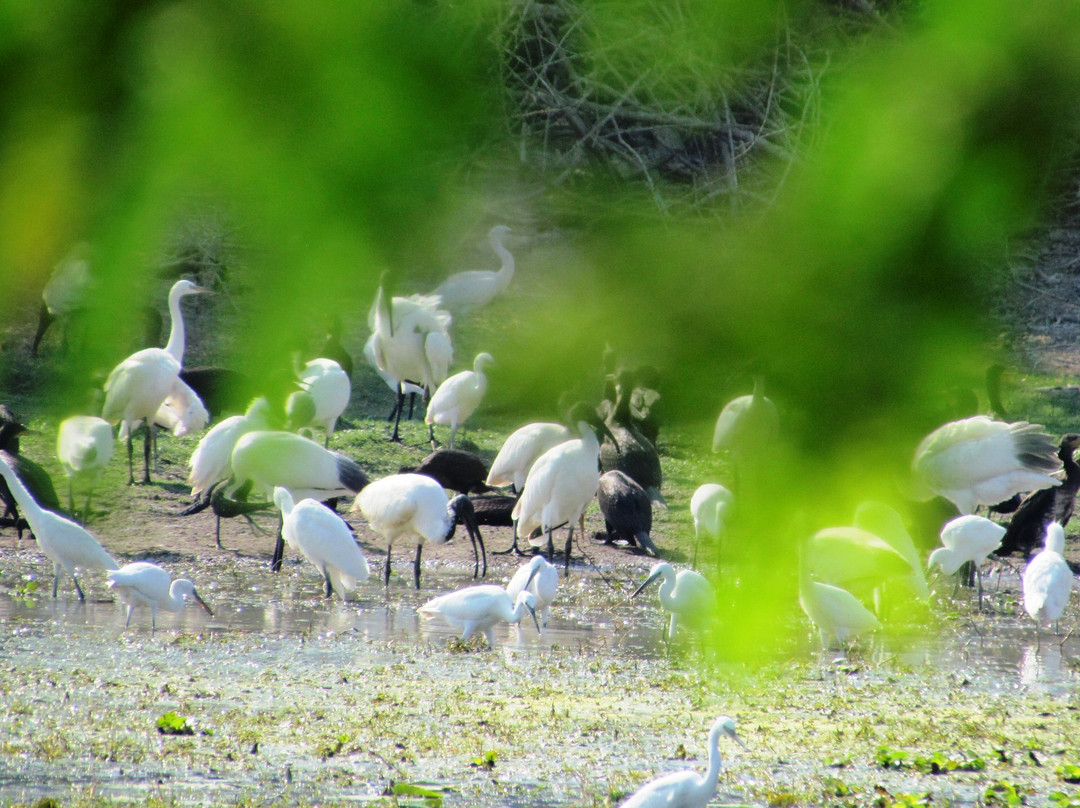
x,y
854,559
271,458
68,545
709,506
468,290
416,508
687,596
977,461
138,386
627,511
324,539
144,584
747,423
561,484
540,578
687,789
409,343
1027,527
885,523
330,389
457,397
476,609
966,538
1047,579
84,444
837,614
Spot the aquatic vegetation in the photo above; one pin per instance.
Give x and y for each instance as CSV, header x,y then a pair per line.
x,y
172,724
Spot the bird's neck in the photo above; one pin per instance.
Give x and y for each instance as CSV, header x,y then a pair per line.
x,y
28,504
707,787
1068,462
175,345
506,271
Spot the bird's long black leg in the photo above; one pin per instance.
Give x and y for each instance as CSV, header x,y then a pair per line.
x,y
78,588
131,467
146,455
397,418
416,565
412,403
566,562
329,586
217,532
279,548
56,579
550,547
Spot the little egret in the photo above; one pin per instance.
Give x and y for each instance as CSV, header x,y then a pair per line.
x,y
837,614
687,596
138,386
409,343
476,609
1027,527
144,584
686,788
966,538
1047,579
540,578
469,290
977,461
416,508
457,397
627,511
271,458
561,483
330,389
68,545
84,445
324,539
710,507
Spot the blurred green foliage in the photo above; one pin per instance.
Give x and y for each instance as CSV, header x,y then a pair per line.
x,y
341,139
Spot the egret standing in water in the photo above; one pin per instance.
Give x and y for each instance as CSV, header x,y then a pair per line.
x,y
966,538
325,540
1047,579
687,596
68,545
476,609
540,578
144,584
686,788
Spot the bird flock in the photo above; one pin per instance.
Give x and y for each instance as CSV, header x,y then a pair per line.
x,y
851,578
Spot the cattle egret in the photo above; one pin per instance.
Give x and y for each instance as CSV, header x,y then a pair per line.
x,y
687,789
416,508
457,397
687,596
68,545
1047,579
977,461
84,445
144,584
476,609
323,538
138,386
469,290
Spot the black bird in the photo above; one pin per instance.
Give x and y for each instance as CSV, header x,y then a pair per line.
x,y
223,391
454,470
1027,529
630,452
226,508
333,348
627,511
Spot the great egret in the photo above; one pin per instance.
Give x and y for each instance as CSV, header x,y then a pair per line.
x,y
271,458
561,484
32,474
409,343
416,508
68,545
324,539
687,596
84,444
540,578
710,507
476,609
687,789
628,450
144,584
138,386
1027,528
1047,579
966,538
457,397
469,290
330,390
627,511
977,461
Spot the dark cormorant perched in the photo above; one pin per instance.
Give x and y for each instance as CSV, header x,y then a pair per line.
x,y
630,452
627,511
1028,526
